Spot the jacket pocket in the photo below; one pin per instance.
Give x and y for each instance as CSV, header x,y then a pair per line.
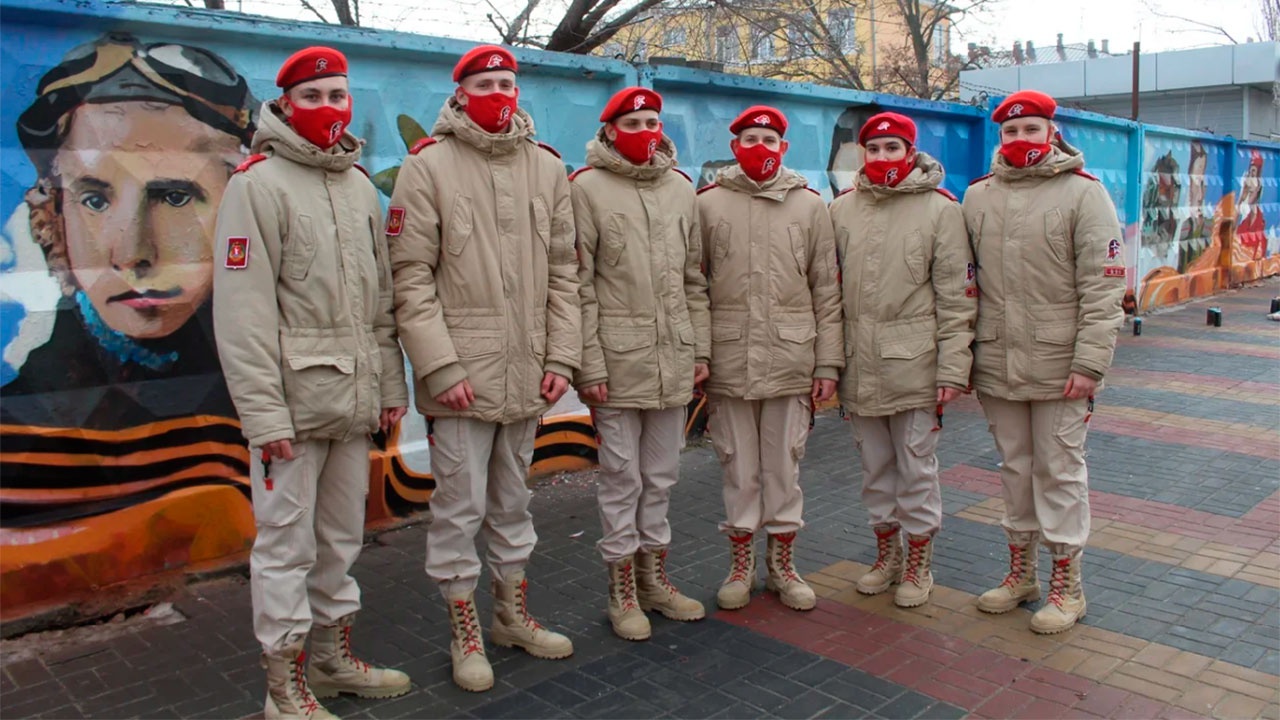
x,y
793,357
728,355
542,221
799,248
629,358
473,343
988,328
321,392
1055,230
913,249
615,239
302,248
461,223
908,351
720,245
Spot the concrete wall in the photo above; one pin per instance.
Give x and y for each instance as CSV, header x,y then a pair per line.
x,y
121,464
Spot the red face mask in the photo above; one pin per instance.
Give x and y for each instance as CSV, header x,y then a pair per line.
x,y
322,126
1024,153
492,112
758,161
889,172
638,147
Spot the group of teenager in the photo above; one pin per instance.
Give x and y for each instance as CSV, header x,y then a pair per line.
x,y
506,282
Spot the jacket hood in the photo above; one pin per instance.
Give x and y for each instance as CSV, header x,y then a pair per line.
x,y
1063,158
453,120
276,137
926,176
775,188
602,155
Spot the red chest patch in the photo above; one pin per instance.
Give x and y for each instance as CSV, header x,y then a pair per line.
x,y
237,253
395,220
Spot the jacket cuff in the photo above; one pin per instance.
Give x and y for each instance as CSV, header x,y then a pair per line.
x,y
1087,372
560,369
702,361
445,378
826,373
950,382
586,381
259,439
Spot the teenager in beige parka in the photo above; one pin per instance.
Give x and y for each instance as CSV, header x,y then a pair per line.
x,y
481,236
1051,277
776,346
909,307
645,343
302,316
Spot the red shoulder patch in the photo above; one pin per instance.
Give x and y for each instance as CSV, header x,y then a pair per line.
x,y
549,149
705,188
682,173
579,171
1082,173
360,167
423,143
946,194
250,162
975,181
815,192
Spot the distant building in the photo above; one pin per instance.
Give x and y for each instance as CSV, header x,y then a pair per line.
x,y
1228,89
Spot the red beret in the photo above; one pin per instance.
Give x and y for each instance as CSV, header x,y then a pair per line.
x,y
761,116
309,64
1025,103
629,100
888,124
484,58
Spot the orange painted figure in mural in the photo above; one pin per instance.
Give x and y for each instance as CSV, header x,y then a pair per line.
x,y
1051,275
302,308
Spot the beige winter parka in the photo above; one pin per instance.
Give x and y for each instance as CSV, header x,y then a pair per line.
x,y
644,298
486,277
1050,276
770,258
302,292
909,294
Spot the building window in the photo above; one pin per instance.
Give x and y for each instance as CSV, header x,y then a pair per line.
x,y
799,42
675,37
939,45
844,33
727,45
762,46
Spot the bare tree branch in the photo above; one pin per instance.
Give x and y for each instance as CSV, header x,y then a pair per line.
x,y
312,8
1204,26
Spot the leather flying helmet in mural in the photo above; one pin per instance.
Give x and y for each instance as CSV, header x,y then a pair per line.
x,y
117,68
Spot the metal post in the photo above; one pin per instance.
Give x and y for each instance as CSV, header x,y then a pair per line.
x,y
1137,46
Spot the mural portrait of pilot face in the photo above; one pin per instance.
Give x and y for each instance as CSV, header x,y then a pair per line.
x,y
140,185
846,154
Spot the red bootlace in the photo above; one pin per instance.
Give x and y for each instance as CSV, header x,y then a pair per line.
x,y
471,629
785,546
741,558
628,580
309,703
915,556
1017,558
660,565
522,608
1058,581
884,547
346,650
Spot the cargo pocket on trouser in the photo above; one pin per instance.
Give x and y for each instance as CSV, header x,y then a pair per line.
x,y
285,546
800,427
1069,426
923,433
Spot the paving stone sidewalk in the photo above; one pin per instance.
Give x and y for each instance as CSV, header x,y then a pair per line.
x,y
1182,575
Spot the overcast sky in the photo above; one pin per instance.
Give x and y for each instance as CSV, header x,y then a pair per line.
x,y
1120,21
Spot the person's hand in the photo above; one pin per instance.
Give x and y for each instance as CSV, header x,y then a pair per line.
x,y
389,417
598,393
823,390
554,386
458,397
700,373
947,394
278,449
1079,387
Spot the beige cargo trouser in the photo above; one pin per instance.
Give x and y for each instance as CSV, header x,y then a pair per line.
x,y
1046,484
481,470
639,464
760,444
900,469
310,521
